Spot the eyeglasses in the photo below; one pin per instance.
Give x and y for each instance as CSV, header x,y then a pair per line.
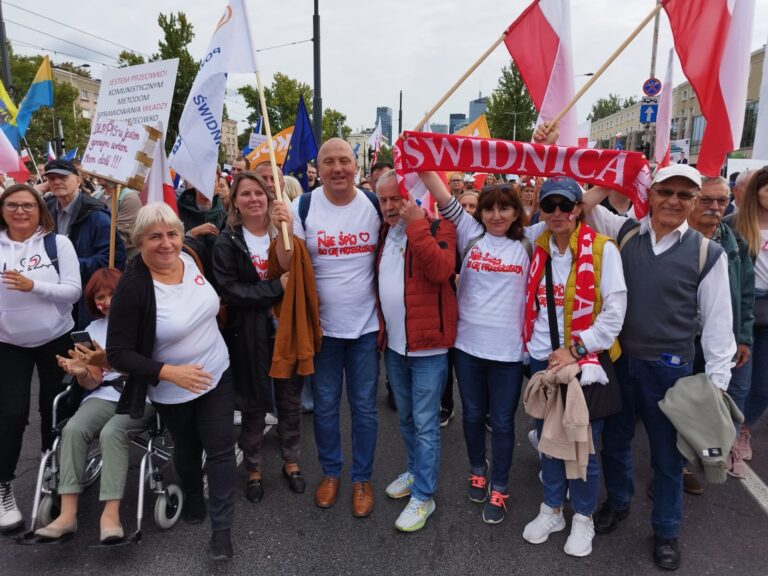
x,y
682,195
14,206
548,205
709,201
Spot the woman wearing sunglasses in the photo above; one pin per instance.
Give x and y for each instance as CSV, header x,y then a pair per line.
x,y
575,308
495,247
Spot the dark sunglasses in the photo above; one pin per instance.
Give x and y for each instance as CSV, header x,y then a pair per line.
x,y
682,195
548,205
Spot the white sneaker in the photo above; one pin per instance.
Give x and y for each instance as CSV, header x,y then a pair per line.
x,y
579,542
547,522
415,515
270,419
400,487
238,420
533,438
10,515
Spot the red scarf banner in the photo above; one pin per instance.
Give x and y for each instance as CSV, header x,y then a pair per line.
x,y
626,172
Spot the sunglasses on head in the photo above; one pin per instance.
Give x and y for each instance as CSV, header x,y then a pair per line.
x,y
549,204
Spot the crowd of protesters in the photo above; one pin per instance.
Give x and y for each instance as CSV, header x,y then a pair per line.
x,y
604,314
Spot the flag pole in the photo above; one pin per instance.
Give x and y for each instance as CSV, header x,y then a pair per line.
x,y
603,68
113,226
272,160
460,81
32,156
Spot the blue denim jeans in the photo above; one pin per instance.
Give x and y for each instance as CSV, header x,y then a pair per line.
x,y
583,493
643,383
489,386
757,399
417,383
357,362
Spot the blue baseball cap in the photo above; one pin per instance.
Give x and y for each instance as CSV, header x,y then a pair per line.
x,y
561,186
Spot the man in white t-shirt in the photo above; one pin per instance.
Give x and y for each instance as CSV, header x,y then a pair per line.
x,y
340,226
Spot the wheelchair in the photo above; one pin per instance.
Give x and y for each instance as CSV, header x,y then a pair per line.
x,y
157,448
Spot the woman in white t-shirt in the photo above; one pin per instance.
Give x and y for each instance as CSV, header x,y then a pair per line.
x,y
240,269
580,273
96,417
751,221
163,334
494,248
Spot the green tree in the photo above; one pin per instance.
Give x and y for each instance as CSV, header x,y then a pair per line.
x,y
178,33
334,124
282,99
385,154
604,107
128,58
511,113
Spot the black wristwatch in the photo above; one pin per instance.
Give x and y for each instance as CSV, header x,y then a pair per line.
x,y
580,349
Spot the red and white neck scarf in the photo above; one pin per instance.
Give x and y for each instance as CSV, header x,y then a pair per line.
x,y
583,301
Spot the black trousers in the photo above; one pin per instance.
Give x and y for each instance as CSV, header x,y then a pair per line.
x,y
205,423
16,367
446,402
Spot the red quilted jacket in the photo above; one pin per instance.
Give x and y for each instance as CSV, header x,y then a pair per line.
x,y
430,298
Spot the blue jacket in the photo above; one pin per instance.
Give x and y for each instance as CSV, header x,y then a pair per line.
x,y
89,233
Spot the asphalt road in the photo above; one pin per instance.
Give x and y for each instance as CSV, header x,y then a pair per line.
x,y
725,531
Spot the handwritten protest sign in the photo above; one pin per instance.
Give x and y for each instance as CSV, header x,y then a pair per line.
x,y
138,94
120,152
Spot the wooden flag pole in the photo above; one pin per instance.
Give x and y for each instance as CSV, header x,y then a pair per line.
x,y
271,148
460,81
113,226
552,123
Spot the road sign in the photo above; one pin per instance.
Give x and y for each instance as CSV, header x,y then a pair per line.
x,y
648,113
652,86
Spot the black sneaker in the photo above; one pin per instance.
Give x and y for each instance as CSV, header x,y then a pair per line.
x,y
221,546
666,553
477,487
445,417
496,507
193,510
608,518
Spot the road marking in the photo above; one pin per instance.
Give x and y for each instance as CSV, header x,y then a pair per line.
x,y
756,487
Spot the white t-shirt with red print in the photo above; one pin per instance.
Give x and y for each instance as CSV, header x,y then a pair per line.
x,y
341,241
491,291
258,246
606,326
187,332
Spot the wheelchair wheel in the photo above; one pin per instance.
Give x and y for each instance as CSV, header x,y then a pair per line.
x,y
93,464
49,510
168,507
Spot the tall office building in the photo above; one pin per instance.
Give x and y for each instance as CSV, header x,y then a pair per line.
x,y
477,107
455,121
386,121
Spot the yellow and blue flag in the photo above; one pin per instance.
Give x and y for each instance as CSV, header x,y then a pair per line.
x,y
8,113
40,94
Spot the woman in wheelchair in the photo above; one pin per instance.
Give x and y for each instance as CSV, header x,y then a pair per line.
x,y
96,418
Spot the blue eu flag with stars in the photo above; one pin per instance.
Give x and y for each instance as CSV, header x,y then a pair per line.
x,y
302,147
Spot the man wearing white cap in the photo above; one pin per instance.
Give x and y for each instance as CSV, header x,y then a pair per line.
x,y
672,274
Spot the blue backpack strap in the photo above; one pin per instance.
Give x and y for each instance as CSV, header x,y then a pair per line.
x,y
49,241
304,202
375,201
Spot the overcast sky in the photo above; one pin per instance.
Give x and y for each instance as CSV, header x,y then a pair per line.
x,y
370,50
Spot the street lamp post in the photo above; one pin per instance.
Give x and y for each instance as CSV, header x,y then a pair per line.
x,y
514,124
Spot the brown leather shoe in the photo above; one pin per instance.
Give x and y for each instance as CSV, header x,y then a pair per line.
x,y
362,499
325,495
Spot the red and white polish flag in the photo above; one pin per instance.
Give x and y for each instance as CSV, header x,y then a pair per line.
x,y
159,187
713,41
664,118
539,42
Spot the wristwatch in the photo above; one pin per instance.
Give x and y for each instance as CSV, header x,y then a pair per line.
x,y
580,349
